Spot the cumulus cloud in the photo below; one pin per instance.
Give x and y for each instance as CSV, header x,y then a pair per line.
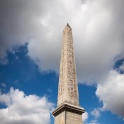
x,y
3,84
24,109
96,113
97,25
121,68
84,116
111,91
94,122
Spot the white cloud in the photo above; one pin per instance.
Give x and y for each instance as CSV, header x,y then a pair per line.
x,y
3,84
121,68
95,45
84,116
94,122
98,28
97,25
96,113
23,109
111,92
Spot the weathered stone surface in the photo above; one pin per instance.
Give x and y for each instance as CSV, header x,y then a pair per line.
x,y
67,81
68,110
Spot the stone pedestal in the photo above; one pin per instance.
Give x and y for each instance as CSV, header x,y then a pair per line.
x,y
68,114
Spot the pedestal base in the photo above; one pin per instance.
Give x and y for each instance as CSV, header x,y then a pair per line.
x,y
68,114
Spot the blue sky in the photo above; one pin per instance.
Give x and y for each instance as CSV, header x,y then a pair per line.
x,y
23,74
30,49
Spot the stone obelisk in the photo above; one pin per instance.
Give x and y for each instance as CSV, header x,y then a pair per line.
x,y
68,110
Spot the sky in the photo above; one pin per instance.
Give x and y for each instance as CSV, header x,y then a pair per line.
x,y
30,49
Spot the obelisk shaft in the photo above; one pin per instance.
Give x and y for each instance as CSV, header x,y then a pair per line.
x,y
67,91
68,110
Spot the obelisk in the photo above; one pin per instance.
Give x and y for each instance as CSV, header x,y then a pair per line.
x,y
68,110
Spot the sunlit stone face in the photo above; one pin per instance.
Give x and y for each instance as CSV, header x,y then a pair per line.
x,y
73,118
68,110
67,80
